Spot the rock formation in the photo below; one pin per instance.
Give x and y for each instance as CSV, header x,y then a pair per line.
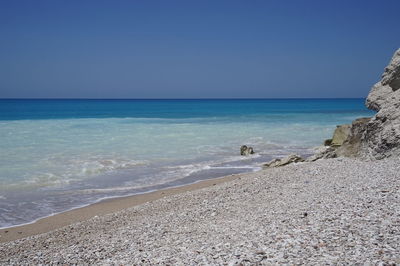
x,y
340,135
374,137
382,132
292,158
354,143
324,152
377,137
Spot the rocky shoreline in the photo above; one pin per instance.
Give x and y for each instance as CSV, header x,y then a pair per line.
x,y
376,137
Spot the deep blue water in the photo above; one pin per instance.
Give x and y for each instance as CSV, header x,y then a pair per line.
x,y
13,109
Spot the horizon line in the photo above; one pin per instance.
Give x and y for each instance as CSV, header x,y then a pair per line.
x,y
216,98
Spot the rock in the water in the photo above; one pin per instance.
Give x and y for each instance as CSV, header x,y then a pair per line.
x,y
328,142
340,135
292,158
244,150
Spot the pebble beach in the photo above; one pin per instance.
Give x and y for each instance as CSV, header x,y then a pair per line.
x,y
332,211
199,133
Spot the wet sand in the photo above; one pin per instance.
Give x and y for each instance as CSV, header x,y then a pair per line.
x,y
107,206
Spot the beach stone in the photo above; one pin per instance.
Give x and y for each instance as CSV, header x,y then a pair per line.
x,y
292,158
244,150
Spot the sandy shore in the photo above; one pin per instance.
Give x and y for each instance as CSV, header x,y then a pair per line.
x,y
330,211
101,208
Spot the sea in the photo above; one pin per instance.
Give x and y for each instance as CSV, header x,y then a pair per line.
x,y
61,154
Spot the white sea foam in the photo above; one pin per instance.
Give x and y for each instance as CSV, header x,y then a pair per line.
x,y
69,162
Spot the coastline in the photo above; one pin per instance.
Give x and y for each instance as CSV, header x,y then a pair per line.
x,y
68,168
103,207
339,210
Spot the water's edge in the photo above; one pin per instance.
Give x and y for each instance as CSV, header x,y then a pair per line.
x,y
64,154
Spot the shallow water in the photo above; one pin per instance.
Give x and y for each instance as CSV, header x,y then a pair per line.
x,y
61,154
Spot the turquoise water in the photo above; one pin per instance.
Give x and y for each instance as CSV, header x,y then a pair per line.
x,y
62,154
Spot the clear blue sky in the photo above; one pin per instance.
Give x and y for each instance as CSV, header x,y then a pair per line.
x,y
194,49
